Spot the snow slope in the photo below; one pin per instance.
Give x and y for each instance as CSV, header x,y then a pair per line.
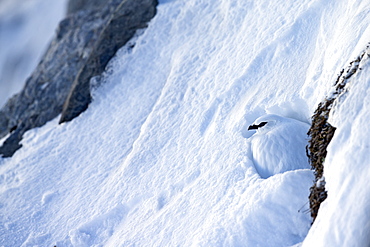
x,y
26,28
163,157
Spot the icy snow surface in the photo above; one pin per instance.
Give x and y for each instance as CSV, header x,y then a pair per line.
x,y
26,28
163,155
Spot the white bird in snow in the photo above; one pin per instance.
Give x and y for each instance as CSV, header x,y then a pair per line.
x,y
279,145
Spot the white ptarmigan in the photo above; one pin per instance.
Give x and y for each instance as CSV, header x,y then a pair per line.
x,y
279,144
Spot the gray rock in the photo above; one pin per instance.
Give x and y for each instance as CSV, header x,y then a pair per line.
x,y
78,5
129,16
85,41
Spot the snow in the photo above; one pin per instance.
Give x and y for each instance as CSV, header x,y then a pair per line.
x,y
26,28
163,155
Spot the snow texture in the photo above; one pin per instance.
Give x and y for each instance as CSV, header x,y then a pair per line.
x,y
163,155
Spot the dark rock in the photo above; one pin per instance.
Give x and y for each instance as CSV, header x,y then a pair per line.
x,y
120,28
78,5
85,42
11,144
321,134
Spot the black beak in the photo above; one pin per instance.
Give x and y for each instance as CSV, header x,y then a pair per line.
x,y
256,126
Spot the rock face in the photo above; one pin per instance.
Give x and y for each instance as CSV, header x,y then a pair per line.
x,y
85,41
77,5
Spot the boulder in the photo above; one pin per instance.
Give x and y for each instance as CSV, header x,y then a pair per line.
x,y
84,43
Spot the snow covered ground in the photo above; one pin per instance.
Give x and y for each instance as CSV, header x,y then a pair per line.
x,y
26,28
163,155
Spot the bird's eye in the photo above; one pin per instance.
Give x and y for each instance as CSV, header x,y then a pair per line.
x,y
256,126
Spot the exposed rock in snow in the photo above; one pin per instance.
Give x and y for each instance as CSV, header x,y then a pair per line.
x,y
77,5
84,44
345,166
322,132
124,19
26,29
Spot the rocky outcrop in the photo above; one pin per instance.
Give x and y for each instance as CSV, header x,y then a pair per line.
x,y
321,133
85,41
77,5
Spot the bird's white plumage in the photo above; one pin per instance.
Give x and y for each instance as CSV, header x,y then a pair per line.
x,y
279,146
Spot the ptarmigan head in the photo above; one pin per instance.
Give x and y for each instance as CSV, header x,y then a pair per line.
x,y
279,144
266,122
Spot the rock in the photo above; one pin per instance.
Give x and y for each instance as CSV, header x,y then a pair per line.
x,y
85,42
77,5
322,132
127,18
